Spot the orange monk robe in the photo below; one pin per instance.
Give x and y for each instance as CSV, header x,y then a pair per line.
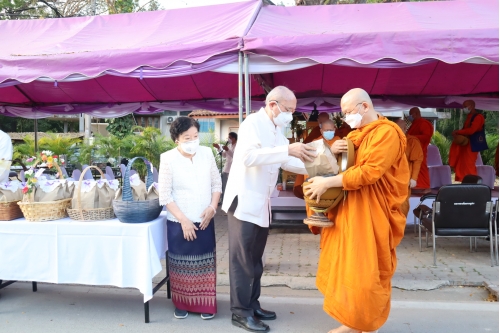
x,y
462,158
315,133
358,258
415,156
343,130
422,129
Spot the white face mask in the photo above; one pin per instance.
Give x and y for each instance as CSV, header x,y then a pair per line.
x,y
283,119
190,147
466,110
353,120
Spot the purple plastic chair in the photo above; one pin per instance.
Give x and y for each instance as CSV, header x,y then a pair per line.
x,y
109,173
88,174
439,174
76,174
155,175
487,172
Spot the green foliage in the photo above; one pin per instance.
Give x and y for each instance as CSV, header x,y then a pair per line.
x,y
20,125
488,156
58,144
443,144
121,127
85,153
150,144
25,149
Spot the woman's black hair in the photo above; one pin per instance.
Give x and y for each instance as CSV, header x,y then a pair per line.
x,y
233,135
181,125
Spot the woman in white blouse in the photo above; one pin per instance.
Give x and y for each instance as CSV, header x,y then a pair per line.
x,y
190,186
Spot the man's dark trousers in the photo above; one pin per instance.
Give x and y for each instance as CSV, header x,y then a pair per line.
x,y
246,247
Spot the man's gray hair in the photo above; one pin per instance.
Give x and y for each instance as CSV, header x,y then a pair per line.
x,y
280,93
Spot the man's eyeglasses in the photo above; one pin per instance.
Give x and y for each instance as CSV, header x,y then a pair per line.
x,y
286,109
344,114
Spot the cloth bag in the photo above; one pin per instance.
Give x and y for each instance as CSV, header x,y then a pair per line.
x,y
11,190
139,190
478,139
153,192
94,194
324,163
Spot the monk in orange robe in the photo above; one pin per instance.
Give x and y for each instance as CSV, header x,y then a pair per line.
x,y
316,131
358,258
343,130
415,157
462,158
314,135
422,129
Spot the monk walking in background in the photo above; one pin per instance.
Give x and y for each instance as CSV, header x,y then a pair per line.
x,y
462,158
316,131
358,257
415,157
422,129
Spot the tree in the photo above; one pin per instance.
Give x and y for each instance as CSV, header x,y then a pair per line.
x,y
121,127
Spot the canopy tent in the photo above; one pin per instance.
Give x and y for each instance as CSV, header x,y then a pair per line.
x,y
430,54
416,53
88,63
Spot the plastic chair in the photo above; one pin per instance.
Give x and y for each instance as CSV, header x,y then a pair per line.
x,y
64,172
88,174
122,169
109,173
486,172
21,176
439,174
132,172
76,174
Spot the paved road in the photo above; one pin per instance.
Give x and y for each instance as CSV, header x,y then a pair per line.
x,y
59,308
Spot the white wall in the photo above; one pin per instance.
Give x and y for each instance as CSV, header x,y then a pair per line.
x,y
228,125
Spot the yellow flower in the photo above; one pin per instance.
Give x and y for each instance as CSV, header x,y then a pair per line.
x,y
50,159
34,180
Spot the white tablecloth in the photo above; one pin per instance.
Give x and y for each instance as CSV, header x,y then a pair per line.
x,y
91,253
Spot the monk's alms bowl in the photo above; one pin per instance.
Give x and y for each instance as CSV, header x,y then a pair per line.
x,y
460,140
332,196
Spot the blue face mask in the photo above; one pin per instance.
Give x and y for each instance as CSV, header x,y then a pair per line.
x,y
410,118
328,135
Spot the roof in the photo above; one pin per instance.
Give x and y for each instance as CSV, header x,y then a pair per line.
x,y
20,136
213,114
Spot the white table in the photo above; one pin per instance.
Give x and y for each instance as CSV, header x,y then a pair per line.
x,y
125,255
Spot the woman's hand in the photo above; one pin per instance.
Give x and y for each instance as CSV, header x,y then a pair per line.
x,y
339,146
189,229
316,188
206,216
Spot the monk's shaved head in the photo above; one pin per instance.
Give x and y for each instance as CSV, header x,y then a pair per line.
x,y
280,94
357,101
323,116
402,124
355,96
470,104
415,113
327,125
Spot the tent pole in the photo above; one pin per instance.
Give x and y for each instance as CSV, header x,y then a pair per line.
x,y
240,87
247,86
35,129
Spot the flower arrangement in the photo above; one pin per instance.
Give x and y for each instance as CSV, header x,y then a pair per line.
x,y
48,160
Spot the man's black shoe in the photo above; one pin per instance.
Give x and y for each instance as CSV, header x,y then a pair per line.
x,y
251,324
264,314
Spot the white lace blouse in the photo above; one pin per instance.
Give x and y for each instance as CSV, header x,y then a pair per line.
x,y
189,184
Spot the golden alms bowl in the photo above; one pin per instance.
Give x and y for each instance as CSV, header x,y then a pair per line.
x,y
460,140
332,196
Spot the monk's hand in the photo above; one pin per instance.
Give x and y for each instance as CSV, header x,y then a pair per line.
x,y
339,146
216,146
413,183
316,187
206,216
454,133
189,229
304,152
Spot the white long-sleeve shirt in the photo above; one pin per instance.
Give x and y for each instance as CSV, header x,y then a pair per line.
x,y
261,150
189,184
228,155
6,150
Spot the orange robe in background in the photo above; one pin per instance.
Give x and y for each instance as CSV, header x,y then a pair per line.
x,y
422,129
343,130
315,133
462,158
358,258
415,157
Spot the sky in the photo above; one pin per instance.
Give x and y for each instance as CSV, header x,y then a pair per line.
x,y
169,4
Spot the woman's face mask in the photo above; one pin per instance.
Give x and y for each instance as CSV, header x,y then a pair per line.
x,y
190,147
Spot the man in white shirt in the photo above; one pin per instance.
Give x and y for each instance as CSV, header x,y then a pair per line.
x,y
262,149
5,155
227,152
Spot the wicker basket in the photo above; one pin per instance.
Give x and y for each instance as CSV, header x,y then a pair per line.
x,y
94,214
10,210
44,211
129,211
